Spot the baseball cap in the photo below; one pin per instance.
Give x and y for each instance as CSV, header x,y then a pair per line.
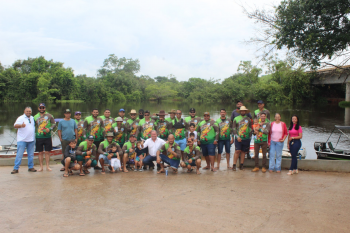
x,y
260,102
90,137
77,112
121,110
206,113
67,110
132,135
42,105
192,110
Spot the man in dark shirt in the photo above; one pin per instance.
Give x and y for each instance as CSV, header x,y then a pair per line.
x,y
235,113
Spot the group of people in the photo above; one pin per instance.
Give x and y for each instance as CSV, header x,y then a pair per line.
x,y
134,143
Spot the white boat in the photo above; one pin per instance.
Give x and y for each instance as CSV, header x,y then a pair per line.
x,y
285,153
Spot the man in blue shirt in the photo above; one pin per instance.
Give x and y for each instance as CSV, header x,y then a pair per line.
x,y
67,129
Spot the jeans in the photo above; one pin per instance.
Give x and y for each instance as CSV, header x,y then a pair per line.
x,y
148,160
105,159
294,149
20,150
275,149
174,163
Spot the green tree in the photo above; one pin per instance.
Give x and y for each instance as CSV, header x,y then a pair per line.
x,y
113,64
160,92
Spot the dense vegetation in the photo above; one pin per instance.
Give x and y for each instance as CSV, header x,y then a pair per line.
x,y
37,79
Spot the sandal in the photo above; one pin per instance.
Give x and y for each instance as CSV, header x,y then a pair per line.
x,y
190,170
62,169
290,172
65,174
82,174
86,172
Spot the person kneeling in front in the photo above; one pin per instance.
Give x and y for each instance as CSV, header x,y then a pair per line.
x,y
169,153
85,151
192,157
69,161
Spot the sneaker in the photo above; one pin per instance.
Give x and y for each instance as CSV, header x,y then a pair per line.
x,y
256,169
234,167
14,171
135,170
31,170
263,170
140,170
241,167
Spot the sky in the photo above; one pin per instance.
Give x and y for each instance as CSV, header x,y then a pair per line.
x,y
183,38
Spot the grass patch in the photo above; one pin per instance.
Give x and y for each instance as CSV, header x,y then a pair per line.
x,y
344,104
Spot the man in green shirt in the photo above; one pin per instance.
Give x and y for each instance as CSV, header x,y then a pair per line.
x,y
192,157
172,115
103,149
131,124
120,131
225,125
169,153
44,123
146,125
261,109
242,130
163,127
261,133
122,115
208,134
108,121
81,130
179,130
192,118
86,152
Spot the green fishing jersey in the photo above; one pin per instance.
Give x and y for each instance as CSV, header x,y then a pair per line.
x,y
263,133
175,147
194,154
179,128
225,128
131,126
81,131
208,132
120,133
194,121
107,124
258,112
94,127
46,121
127,146
242,127
163,129
145,128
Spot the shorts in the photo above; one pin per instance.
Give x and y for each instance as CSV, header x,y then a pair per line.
x,y
242,146
193,164
174,163
137,159
72,164
93,162
222,143
42,143
182,143
105,159
208,149
97,143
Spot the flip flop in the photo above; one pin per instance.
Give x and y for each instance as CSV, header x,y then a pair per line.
x,y
206,168
188,171
82,174
62,169
160,172
65,175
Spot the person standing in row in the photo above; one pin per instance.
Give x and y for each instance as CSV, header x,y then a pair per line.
x,y
146,125
25,139
120,131
242,130
108,121
172,114
121,113
163,127
81,136
179,129
261,109
132,123
261,133
294,143
94,127
225,127
208,133
278,134
44,123
235,113
192,119
67,131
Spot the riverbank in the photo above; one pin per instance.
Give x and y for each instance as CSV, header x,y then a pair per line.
x,y
224,201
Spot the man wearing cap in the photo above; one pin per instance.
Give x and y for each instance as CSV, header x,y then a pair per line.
x,y
192,157
108,121
172,115
260,141
132,123
208,133
146,125
80,128
169,153
44,123
235,113
192,118
25,126
122,115
260,110
129,150
141,114
163,127
67,129
85,154
179,129
242,130
153,144
104,147
120,131
225,128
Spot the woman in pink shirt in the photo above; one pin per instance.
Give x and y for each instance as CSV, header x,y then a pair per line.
x,y
277,135
294,143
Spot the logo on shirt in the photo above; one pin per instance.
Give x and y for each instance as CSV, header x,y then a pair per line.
x,y
246,121
46,118
98,122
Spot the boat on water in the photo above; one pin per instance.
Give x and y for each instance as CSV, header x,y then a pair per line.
x,y
326,150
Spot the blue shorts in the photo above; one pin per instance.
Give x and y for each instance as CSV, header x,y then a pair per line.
x,y
105,159
222,143
182,143
137,159
208,149
174,163
244,145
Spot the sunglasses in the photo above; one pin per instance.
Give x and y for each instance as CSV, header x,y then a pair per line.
x,y
133,114
147,115
178,113
29,121
42,108
192,112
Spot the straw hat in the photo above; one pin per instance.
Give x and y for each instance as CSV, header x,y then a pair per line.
x,y
133,111
173,111
119,119
161,113
243,108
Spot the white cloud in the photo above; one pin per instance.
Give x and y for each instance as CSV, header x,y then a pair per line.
x,y
183,38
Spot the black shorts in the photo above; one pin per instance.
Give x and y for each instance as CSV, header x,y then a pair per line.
x,y
244,145
42,143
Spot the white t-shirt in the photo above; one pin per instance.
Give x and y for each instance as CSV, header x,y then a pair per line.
x,y
153,147
26,134
195,134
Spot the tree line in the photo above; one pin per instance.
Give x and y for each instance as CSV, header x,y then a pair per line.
x,y
38,79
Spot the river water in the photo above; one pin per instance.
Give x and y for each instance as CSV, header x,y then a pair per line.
x,y
317,121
